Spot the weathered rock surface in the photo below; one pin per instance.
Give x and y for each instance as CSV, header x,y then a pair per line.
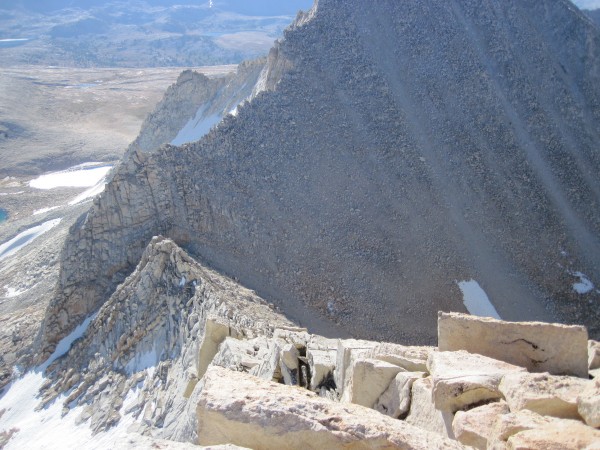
x,y
308,194
370,379
539,347
410,358
512,423
473,427
348,352
196,97
395,401
560,434
588,404
247,411
544,394
593,354
461,379
171,314
423,412
149,352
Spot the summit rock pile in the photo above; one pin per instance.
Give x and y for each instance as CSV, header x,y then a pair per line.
x,y
204,360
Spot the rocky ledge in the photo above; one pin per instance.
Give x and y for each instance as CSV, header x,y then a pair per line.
x,y
188,355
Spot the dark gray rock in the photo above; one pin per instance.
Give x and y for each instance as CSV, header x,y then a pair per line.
x,y
407,145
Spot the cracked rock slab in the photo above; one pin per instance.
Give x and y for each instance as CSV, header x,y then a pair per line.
x,y
539,347
588,404
395,401
560,434
239,409
423,412
461,379
545,394
473,427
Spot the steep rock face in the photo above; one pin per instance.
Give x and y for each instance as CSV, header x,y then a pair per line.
x,y
196,97
375,175
160,317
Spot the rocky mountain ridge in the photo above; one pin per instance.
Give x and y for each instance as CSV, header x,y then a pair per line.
x,y
360,188
182,354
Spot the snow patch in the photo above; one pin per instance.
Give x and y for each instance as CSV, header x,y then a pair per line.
x,y
143,361
13,292
584,285
90,193
196,127
48,429
65,343
82,175
44,210
476,300
26,237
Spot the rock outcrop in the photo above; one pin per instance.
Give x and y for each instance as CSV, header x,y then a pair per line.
x,y
246,411
182,353
540,347
373,176
197,97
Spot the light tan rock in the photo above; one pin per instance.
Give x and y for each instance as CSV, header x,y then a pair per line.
x,y
423,412
216,330
593,355
540,347
269,368
512,423
242,355
395,401
595,373
410,358
348,351
243,410
461,379
545,394
559,435
288,363
322,366
588,404
370,379
473,427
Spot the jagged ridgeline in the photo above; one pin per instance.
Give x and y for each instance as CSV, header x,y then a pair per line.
x,y
401,146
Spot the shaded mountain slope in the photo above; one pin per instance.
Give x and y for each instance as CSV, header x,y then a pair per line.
x,y
409,145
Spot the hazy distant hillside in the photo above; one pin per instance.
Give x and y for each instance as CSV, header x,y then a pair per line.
x,y
150,33
594,15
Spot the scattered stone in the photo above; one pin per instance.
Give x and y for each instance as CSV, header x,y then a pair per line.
x,y
545,394
539,347
395,401
410,358
322,366
512,423
461,379
593,354
423,412
239,409
473,427
348,351
560,434
288,363
588,404
370,378
216,329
